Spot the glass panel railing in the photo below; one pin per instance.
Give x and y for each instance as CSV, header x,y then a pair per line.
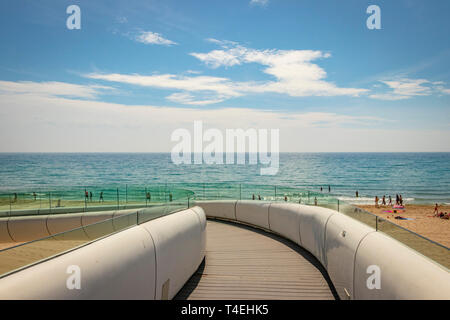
x,y
25,254
87,198
155,200
426,247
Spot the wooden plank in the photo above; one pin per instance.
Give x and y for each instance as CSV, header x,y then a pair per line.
x,y
246,263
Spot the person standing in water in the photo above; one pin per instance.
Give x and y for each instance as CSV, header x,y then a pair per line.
x,y
357,193
329,188
315,201
101,197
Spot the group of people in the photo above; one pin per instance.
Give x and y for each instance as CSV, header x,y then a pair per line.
x,y
89,195
442,215
398,200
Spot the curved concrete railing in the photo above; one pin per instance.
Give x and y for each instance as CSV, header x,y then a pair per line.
x,y
152,260
352,252
29,228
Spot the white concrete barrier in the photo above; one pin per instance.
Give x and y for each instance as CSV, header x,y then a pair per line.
x,y
284,219
178,238
121,266
4,233
219,209
28,228
346,248
147,261
313,222
253,212
343,236
58,223
33,227
404,273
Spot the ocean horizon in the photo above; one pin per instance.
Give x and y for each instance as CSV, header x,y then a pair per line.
x,y
421,177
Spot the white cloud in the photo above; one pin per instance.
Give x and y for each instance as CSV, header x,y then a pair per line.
x,y
292,71
259,2
51,88
74,125
186,98
149,37
122,19
406,88
222,88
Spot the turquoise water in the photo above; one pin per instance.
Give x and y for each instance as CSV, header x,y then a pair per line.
x,y
419,177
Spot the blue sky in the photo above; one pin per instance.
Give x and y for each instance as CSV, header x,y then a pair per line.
x,y
140,69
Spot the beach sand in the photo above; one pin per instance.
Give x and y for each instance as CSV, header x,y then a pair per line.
x,y
424,223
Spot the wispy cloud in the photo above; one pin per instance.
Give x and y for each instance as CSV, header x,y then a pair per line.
x,y
293,72
149,37
259,2
52,88
69,124
406,88
187,98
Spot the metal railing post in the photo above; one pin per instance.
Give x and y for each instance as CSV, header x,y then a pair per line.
x,y
85,200
50,201
118,199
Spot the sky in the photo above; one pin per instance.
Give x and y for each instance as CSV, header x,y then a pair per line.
x,y
136,71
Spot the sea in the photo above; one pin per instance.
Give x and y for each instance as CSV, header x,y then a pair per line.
x,y
418,177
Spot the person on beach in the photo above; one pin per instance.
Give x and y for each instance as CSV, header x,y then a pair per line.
x,y
397,200
34,196
400,200
436,210
101,197
383,202
148,197
86,195
315,201
15,197
376,201
259,197
357,193
90,196
390,201
253,197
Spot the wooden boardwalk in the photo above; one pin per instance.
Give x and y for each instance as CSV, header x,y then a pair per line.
x,y
247,263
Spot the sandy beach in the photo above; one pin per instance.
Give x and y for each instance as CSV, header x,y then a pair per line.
x,y
423,222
